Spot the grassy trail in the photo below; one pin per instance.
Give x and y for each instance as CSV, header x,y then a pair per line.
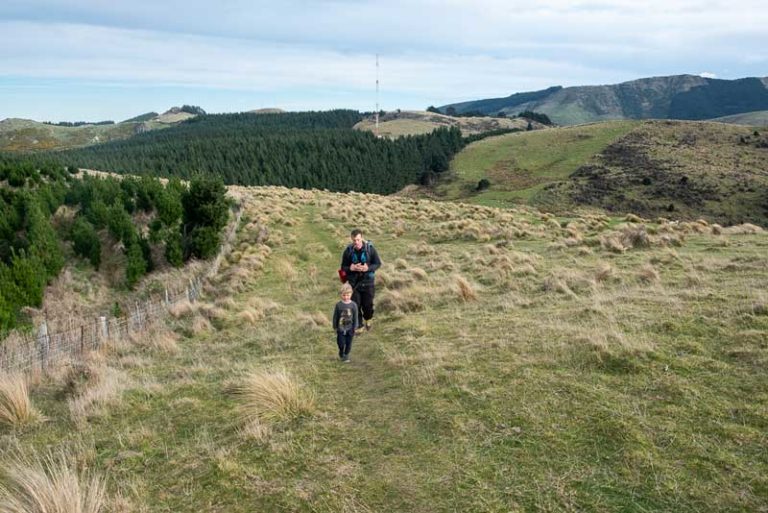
x,y
518,362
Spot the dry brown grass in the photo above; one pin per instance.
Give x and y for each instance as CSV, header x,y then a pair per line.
x,y
400,301
256,430
50,484
104,387
465,290
250,316
16,410
182,309
648,274
201,325
272,395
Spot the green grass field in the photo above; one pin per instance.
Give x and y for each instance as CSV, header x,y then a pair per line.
x,y
518,362
519,165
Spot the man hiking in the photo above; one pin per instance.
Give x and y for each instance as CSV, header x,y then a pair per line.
x,y
360,262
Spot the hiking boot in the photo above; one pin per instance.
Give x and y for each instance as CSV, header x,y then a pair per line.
x,y
345,359
368,326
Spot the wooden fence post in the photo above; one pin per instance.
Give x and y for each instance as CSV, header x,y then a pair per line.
x,y
104,328
43,344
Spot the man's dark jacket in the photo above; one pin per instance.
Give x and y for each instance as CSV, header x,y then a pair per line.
x,y
365,255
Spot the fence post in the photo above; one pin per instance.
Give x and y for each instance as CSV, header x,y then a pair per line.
x,y
43,344
104,328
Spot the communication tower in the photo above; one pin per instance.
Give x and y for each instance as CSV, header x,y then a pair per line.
x,y
376,131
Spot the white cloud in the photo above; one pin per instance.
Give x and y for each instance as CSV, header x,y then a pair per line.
x,y
432,51
707,74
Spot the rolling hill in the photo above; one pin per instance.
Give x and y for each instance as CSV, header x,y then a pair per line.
x,y
28,135
518,362
398,123
684,170
688,97
755,119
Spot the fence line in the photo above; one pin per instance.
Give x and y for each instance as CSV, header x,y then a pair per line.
x,y
27,353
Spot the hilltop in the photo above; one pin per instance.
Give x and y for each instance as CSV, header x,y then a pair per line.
x,y
28,135
687,97
518,361
398,123
678,169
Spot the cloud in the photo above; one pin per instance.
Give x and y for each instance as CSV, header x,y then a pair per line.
x,y
432,51
707,74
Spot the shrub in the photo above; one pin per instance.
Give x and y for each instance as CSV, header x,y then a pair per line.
x,y
86,242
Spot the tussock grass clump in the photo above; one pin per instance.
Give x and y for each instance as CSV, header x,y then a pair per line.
x,y
286,271
16,410
397,301
272,395
314,320
79,376
465,290
609,348
250,316
743,229
401,264
628,238
50,484
102,388
418,274
182,309
200,325
648,274
605,272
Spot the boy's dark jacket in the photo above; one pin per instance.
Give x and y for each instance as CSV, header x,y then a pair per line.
x,y
366,255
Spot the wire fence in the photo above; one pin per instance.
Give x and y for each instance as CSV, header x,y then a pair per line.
x,y
49,346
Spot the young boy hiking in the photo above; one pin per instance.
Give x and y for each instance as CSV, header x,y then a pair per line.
x,y
345,321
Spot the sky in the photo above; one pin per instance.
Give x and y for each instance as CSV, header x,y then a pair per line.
x,y
94,60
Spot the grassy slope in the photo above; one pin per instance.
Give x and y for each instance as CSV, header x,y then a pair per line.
x,y
757,119
397,124
580,379
519,165
710,170
27,135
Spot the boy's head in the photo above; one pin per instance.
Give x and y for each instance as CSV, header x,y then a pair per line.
x,y
357,238
346,292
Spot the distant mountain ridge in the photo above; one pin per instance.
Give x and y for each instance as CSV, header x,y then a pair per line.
x,y
688,97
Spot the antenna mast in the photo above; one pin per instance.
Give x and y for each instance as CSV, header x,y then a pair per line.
x,y
377,95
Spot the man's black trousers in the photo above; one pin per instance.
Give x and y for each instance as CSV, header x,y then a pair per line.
x,y
363,297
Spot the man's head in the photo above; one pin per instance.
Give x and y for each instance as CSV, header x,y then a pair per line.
x,y
357,238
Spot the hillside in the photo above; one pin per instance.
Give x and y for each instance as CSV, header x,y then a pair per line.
x,y
21,135
682,170
398,123
518,362
686,97
296,149
757,119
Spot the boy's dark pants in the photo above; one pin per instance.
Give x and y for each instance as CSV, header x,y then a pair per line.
x,y
344,341
362,295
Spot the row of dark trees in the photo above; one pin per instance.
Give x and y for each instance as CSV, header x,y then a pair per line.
x,y
305,149
186,221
